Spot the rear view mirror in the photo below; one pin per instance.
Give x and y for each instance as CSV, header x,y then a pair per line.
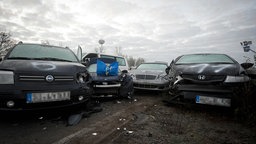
x,y
247,65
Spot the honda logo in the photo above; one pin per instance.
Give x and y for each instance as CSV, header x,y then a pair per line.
x,y
201,77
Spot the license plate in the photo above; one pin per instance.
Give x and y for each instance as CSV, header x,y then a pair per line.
x,y
213,101
48,97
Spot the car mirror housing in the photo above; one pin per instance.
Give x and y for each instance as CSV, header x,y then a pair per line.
x,y
124,71
167,70
247,65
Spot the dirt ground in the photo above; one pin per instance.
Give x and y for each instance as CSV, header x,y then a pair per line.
x,y
143,120
149,120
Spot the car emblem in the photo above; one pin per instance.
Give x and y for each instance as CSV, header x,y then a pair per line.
x,y
49,78
201,77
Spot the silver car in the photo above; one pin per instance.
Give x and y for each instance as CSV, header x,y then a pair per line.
x,y
150,76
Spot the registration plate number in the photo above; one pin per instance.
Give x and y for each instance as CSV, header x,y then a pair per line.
x,y
47,97
213,101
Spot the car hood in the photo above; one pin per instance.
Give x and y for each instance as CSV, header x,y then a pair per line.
x,y
147,72
30,66
208,69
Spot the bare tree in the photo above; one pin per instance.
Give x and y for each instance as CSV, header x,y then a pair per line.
x,y
119,51
6,42
45,42
131,61
139,61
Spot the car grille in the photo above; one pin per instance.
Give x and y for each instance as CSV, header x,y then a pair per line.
x,y
208,78
145,86
147,77
42,78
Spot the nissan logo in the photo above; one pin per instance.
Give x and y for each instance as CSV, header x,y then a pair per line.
x,y
201,77
49,78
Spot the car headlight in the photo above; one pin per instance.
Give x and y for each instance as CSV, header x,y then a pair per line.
x,y
236,79
82,77
159,77
162,77
6,77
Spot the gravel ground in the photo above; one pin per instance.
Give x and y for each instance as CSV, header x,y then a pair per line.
x,y
143,120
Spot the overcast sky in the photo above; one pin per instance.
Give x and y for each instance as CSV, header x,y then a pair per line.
x,y
157,30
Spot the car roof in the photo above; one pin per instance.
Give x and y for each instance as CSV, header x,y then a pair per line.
x,y
85,54
21,43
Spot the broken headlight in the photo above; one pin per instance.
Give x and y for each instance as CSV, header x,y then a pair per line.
x,y
6,77
82,77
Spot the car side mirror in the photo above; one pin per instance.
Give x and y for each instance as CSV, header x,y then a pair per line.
x,y
124,71
167,70
247,65
85,61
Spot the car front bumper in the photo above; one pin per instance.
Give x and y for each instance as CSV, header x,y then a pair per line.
x,y
207,94
151,85
100,89
78,96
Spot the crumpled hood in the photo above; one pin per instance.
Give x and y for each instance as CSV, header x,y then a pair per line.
x,y
147,72
30,66
208,69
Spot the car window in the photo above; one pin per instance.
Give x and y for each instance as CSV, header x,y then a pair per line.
x,y
92,68
105,56
151,66
42,51
204,58
121,61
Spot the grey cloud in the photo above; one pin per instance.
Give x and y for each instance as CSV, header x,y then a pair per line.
x,y
24,3
110,8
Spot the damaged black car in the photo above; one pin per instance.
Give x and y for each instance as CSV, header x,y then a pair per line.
x,y
35,76
205,79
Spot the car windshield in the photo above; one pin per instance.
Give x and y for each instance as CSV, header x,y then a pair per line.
x,y
205,58
42,52
152,66
121,61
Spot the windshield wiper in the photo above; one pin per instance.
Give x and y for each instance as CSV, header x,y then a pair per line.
x,y
53,59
